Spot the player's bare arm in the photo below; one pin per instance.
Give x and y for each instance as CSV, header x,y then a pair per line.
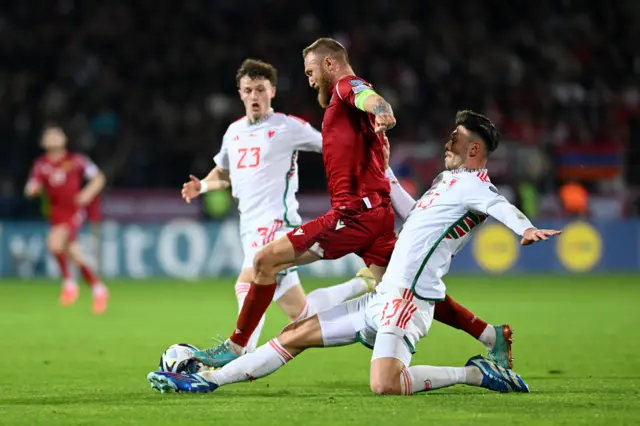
x,y
376,105
91,189
32,189
218,178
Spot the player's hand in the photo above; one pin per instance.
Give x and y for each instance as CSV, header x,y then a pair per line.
x,y
191,189
32,190
533,235
386,150
83,199
384,121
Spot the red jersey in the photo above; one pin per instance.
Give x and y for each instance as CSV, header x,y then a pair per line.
x,y
62,180
352,152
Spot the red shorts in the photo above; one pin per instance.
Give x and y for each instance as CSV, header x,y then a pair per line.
x,y
72,221
94,213
369,234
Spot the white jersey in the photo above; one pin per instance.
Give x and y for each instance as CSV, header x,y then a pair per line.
x,y
438,226
262,163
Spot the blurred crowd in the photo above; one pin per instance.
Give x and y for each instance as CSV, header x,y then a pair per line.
x,y
147,88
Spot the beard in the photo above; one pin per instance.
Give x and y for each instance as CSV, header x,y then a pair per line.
x,y
323,90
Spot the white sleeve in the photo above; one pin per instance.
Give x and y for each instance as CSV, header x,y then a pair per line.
x,y
512,218
304,136
400,199
479,196
485,199
222,158
89,168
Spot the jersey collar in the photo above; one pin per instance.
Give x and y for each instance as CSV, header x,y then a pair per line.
x,y
466,170
262,120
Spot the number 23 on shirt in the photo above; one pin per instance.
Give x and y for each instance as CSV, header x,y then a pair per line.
x,y
249,158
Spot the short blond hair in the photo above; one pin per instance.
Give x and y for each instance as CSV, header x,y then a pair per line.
x,y
327,47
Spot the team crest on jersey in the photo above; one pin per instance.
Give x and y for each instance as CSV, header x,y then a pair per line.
x,y
270,134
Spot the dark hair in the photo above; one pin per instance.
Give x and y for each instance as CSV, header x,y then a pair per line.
x,y
51,124
254,68
327,47
481,126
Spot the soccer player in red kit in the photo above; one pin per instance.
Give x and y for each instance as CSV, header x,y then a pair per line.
x,y
60,174
361,218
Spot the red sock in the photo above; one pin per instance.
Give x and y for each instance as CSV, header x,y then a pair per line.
x,y
89,276
255,305
63,264
457,316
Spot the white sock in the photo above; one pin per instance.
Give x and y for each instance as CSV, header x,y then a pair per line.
x,y
488,337
99,289
421,378
69,283
264,361
324,298
241,293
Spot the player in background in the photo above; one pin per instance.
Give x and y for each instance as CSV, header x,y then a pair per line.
x,y
394,318
361,219
60,174
94,219
258,160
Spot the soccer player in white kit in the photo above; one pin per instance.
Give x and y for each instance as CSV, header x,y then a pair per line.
x,y
258,160
398,314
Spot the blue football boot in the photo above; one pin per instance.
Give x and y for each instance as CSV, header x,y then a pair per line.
x,y
496,378
174,382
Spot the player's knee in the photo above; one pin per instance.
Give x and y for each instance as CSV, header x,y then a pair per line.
x,y
384,376
382,386
262,262
55,246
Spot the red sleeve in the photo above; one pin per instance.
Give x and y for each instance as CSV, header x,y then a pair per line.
x,y
347,88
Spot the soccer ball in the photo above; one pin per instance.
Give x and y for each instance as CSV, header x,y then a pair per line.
x,y
177,359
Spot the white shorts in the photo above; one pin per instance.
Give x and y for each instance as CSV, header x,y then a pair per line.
x,y
393,313
254,238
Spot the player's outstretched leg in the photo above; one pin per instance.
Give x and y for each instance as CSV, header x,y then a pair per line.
x,y
98,289
56,243
265,360
497,339
271,259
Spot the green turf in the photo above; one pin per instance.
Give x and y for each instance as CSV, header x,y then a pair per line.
x,y
577,345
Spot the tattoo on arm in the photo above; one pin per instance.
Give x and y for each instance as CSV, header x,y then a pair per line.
x,y
382,107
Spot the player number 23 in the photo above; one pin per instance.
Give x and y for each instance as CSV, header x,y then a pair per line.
x,y
253,160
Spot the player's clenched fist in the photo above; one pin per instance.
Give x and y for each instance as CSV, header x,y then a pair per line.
x,y
533,235
191,189
385,119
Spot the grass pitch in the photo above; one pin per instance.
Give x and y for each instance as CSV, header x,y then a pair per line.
x,y
577,345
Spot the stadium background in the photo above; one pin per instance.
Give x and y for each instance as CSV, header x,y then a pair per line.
x,y
149,98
